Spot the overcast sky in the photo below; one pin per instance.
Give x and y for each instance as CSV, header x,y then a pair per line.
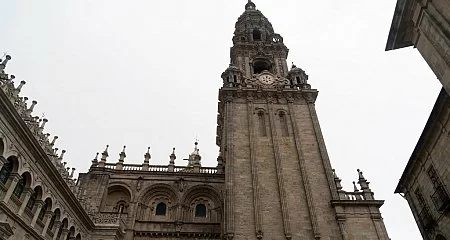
x,y
147,73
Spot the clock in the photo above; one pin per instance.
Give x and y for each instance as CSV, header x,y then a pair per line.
x,y
266,79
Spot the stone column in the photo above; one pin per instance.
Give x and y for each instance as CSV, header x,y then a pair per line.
x,y
64,234
13,179
2,161
38,205
55,229
47,218
26,197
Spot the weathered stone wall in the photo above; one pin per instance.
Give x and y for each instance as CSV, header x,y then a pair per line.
x,y
432,151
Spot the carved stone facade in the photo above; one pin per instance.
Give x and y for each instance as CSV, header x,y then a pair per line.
x,y
424,183
273,178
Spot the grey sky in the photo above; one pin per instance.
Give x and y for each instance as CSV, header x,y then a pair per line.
x,y
147,73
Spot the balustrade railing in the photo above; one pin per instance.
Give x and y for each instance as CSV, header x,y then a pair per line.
x,y
355,196
160,168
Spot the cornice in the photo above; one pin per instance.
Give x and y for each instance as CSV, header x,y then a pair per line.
x,y
425,138
268,95
376,203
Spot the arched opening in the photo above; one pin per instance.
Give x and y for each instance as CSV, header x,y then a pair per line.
x,y
63,226
56,215
37,194
7,169
23,182
78,237
200,210
256,35
440,237
161,209
283,123
71,233
2,147
262,123
261,65
156,204
46,207
117,200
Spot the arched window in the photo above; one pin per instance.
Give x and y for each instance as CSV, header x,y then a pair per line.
x,y
261,65
161,209
200,210
52,222
256,35
20,186
44,209
283,123
31,201
6,171
262,123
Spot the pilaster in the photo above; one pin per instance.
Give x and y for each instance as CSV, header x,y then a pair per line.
x,y
303,172
38,206
13,180
47,217
254,172
279,173
27,194
55,229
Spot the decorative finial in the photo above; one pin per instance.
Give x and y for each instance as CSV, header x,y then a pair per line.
x,y
54,140
122,155
95,160
250,5
173,156
20,86
147,156
354,187
293,65
104,154
360,175
33,103
71,174
44,121
4,62
106,150
62,154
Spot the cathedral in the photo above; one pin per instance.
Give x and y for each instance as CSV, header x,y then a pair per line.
x,y
273,178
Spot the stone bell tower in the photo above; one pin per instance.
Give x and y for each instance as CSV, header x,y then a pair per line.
x,y
278,178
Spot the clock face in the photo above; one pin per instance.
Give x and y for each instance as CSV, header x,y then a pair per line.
x,y
266,79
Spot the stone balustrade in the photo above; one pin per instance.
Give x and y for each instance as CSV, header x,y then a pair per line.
x,y
158,168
